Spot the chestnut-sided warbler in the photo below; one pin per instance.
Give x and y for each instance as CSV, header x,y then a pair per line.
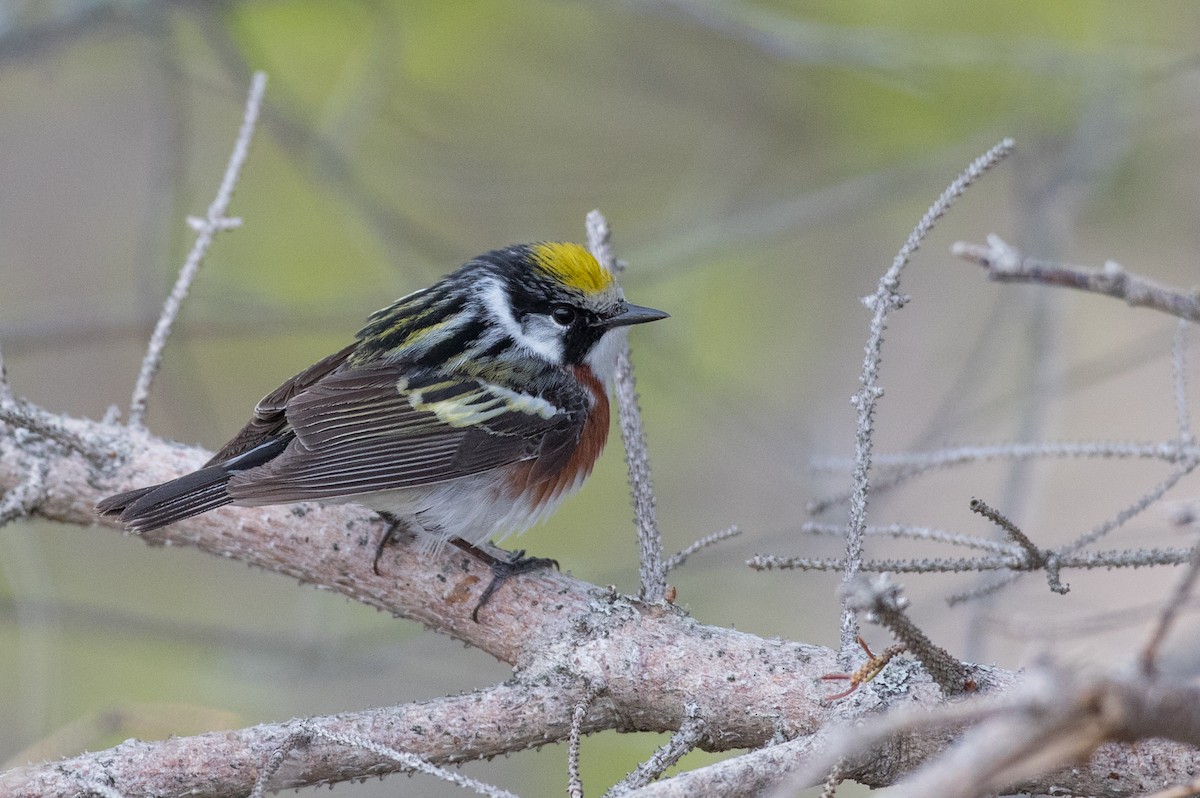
x,y
464,411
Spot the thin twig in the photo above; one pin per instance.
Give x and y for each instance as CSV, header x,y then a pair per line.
x,y
276,759
836,776
1179,367
416,763
1120,558
1034,557
899,467
885,299
307,732
906,531
1170,612
6,394
214,221
681,557
1168,452
1132,510
881,600
690,733
574,782
637,458
1006,264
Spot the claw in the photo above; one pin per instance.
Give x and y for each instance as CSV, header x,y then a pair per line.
x,y
502,570
394,525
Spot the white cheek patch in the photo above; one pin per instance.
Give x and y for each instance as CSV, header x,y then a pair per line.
x,y
543,336
537,336
603,357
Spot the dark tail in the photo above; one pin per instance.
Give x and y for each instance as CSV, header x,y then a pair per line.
x,y
200,491
149,508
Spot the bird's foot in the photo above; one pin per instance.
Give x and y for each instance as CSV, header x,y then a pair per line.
x,y
395,526
502,569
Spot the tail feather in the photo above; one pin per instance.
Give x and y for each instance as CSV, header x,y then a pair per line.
x,y
148,508
155,506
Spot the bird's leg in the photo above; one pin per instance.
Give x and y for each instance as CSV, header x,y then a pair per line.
x,y
518,563
395,525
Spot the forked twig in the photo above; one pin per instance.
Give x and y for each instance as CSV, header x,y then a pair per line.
x,y
213,222
885,299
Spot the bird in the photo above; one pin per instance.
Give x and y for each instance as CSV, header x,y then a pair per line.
x,y
461,413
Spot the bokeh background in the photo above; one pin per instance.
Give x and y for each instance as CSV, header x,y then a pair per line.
x,y
760,163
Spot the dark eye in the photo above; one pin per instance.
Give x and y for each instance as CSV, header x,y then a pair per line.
x,y
564,315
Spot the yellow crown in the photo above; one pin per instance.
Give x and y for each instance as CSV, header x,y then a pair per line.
x,y
573,266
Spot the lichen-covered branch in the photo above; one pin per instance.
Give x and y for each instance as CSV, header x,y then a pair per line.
x,y
653,660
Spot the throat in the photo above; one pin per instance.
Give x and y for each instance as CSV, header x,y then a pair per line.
x,y
595,429
601,359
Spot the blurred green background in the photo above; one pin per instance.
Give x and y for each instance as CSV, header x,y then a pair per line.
x,y
760,164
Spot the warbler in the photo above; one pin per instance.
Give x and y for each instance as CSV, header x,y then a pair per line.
x,y
461,412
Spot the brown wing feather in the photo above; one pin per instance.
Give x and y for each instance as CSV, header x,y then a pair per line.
x,y
359,432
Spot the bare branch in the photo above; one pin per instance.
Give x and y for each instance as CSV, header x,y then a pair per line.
x,y
275,761
1116,558
746,776
1168,452
637,457
1034,557
681,557
681,743
836,776
1057,723
1188,465
543,620
1179,368
906,531
223,763
880,598
897,468
1006,264
416,764
1170,612
881,303
1018,741
574,781
213,222
6,394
